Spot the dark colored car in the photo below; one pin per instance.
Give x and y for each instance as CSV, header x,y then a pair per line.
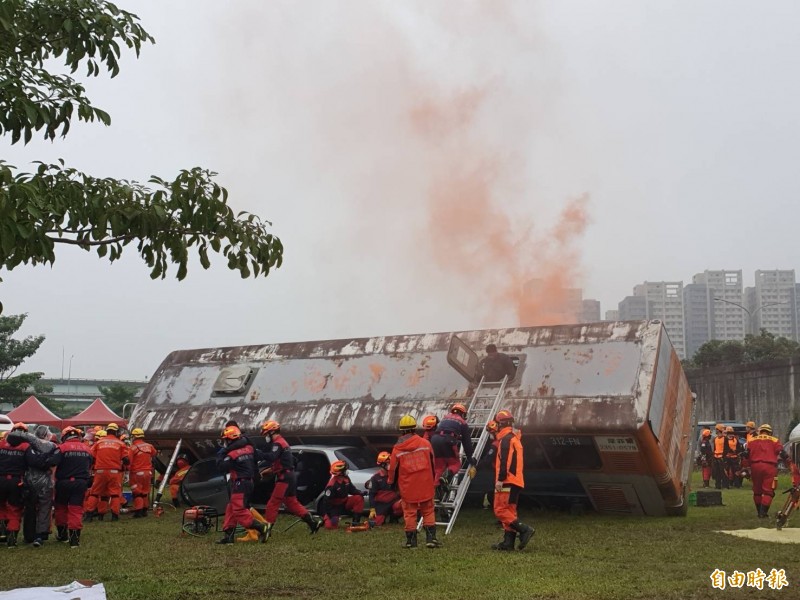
x,y
204,484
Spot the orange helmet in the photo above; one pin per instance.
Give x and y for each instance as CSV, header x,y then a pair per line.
x,y
729,429
719,427
492,426
750,425
503,416
383,458
459,408
19,427
231,433
270,427
706,433
70,431
430,422
338,467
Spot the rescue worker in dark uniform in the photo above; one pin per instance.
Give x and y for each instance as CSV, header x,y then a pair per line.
x,y
705,456
341,497
238,460
73,469
764,450
451,432
12,470
384,501
490,455
732,451
281,464
39,461
718,466
495,365
509,483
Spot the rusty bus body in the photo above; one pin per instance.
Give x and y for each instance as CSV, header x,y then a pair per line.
x,y
605,408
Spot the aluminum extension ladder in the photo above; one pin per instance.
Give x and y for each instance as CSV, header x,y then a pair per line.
x,y
482,408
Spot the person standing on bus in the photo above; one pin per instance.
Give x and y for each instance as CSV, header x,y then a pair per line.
x,y
705,456
509,483
764,452
495,365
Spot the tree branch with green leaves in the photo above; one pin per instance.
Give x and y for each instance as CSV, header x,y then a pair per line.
x,y
56,204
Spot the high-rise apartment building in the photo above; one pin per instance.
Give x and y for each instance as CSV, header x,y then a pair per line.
x,y
727,318
591,311
664,301
633,308
612,315
697,311
772,303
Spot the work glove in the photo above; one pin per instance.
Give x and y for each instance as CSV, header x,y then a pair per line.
x,y
472,471
371,514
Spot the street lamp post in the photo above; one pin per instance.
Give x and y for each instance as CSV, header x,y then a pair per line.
x,y
69,376
750,315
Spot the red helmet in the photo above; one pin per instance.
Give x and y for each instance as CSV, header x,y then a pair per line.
x,y
430,422
270,427
492,426
706,433
459,408
19,427
338,467
503,416
383,458
231,433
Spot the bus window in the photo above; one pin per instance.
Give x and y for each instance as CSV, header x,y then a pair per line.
x,y
571,452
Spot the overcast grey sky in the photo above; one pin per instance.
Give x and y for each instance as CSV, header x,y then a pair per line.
x,y
667,131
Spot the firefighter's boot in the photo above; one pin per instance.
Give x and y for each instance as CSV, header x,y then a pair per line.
x,y
228,538
263,531
430,537
525,533
61,533
250,535
88,517
11,539
313,524
411,539
509,537
74,538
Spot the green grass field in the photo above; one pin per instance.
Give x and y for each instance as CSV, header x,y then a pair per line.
x,y
587,557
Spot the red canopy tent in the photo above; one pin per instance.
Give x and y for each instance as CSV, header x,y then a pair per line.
x,y
97,413
33,411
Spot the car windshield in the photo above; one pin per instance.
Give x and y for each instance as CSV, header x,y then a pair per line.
x,y
356,458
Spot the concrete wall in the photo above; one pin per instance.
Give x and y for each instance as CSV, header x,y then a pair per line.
x,y
767,392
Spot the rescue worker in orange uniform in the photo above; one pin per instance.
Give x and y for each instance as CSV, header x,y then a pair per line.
x,y
341,497
141,456
411,468
182,468
237,458
429,425
509,483
764,451
718,467
705,456
73,465
110,461
279,456
3,536
750,426
384,501
12,470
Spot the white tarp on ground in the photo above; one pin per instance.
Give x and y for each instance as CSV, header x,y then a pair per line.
x,y
789,535
73,591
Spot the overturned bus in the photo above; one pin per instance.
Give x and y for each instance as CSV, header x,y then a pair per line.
x,y
604,408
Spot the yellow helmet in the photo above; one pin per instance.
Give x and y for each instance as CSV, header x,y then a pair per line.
x,y
765,427
407,422
750,424
101,433
112,427
138,432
